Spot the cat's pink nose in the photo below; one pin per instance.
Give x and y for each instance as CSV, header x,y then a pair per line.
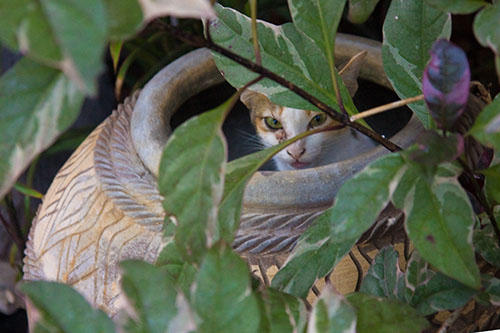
x,y
296,154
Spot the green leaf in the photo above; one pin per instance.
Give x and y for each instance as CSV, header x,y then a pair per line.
x,y
410,29
440,293
157,304
492,183
486,128
457,6
191,179
491,287
360,10
64,310
282,312
486,244
238,173
72,22
384,277
417,273
284,50
313,257
385,316
439,221
222,297
319,20
37,103
28,191
331,313
124,17
362,198
24,27
487,18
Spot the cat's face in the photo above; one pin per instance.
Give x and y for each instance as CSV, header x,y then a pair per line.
x,y
275,124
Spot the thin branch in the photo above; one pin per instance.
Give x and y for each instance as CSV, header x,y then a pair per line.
x,y
386,107
450,320
482,198
335,115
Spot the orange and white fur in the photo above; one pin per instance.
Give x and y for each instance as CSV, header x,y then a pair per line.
x,y
275,124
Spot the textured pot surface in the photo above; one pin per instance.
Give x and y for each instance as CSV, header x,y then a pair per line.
x,y
104,207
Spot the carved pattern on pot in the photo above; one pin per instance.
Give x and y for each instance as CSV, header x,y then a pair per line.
x,y
104,207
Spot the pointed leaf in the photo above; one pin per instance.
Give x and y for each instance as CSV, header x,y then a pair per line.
x,y
360,10
282,312
440,293
37,104
66,19
379,315
157,304
491,287
486,244
124,17
417,272
284,50
384,275
63,309
446,83
331,313
486,129
484,22
362,198
191,178
314,256
439,221
179,8
24,27
238,173
410,29
222,297
457,6
319,20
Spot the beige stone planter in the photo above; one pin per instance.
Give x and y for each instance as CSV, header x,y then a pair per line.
x,y
103,206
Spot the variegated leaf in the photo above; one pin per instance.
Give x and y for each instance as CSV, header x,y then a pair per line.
x,y
281,312
222,296
410,29
439,221
417,272
37,103
191,178
313,257
157,305
384,277
487,125
68,312
380,315
486,244
331,313
284,50
440,293
487,18
179,8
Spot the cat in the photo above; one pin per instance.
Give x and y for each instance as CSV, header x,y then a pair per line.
x,y
275,124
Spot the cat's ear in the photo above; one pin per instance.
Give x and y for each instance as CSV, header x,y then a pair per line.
x,y
254,100
350,72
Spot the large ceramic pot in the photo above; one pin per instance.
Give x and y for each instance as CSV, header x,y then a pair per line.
x,y
104,207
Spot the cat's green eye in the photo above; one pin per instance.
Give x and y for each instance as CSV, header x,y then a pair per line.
x,y
273,123
317,120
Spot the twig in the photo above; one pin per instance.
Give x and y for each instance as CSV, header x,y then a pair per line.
x,y
386,107
335,115
359,269
479,194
